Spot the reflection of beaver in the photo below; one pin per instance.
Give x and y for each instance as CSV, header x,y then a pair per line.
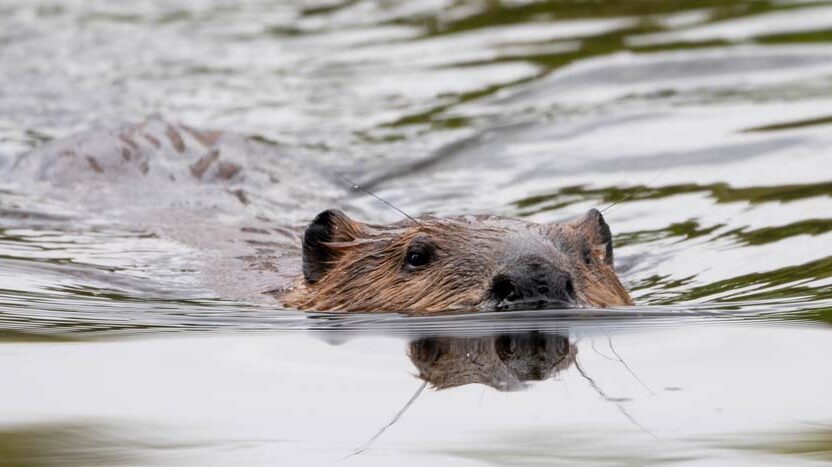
x,y
468,262
426,265
503,362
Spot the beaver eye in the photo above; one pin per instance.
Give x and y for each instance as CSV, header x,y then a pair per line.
x,y
417,259
419,255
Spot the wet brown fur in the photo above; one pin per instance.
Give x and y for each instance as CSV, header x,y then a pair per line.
x,y
366,270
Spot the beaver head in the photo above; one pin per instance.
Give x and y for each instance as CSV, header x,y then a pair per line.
x,y
456,263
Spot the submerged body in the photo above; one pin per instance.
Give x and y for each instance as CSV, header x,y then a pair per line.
x,y
426,265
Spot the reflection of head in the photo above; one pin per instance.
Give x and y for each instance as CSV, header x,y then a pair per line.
x,y
503,362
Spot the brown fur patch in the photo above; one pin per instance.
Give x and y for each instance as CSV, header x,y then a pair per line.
x,y
94,165
175,138
365,267
227,170
126,140
152,139
199,167
207,138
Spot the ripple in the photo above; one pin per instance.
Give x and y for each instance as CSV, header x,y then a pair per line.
x,y
701,126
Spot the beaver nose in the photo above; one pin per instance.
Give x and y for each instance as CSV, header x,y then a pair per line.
x,y
532,283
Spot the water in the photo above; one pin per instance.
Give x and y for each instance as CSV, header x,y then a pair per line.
x,y
129,336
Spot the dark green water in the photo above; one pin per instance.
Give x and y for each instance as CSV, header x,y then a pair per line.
x,y
704,125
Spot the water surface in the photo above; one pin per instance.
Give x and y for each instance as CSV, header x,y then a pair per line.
x,y
703,128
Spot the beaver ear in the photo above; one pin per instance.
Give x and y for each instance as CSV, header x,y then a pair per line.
x,y
330,226
598,235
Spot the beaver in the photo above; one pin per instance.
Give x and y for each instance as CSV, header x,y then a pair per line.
x,y
472,263
214,181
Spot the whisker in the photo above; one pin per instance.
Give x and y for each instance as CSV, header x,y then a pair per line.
x,y
620,407
598,352
356,186
630,370
395,418
635,193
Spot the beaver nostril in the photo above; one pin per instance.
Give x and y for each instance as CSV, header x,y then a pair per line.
x,y
504,289
543,290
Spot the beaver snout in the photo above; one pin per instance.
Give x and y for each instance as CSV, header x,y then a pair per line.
x,y
532,282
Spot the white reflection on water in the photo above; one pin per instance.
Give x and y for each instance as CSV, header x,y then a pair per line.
x,y
518,108
257,399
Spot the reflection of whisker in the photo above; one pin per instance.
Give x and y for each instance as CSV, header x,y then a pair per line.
x,y
395,419
592,343
620,407
632,373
